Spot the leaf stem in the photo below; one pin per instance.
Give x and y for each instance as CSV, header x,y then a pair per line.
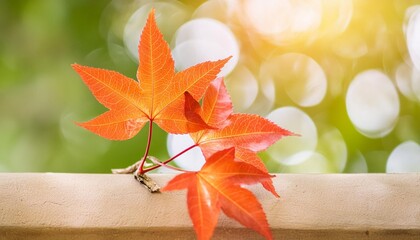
x,y
162,164
146,152
171,159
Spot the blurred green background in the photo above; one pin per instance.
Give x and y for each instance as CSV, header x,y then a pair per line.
x,y
344,74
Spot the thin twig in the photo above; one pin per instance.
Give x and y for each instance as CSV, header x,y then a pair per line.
x,y
147,182
143,179
127,170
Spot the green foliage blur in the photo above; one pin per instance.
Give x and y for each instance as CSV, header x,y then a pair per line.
x,y
41,96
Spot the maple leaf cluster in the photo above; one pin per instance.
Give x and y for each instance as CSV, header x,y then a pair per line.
x,y
229,141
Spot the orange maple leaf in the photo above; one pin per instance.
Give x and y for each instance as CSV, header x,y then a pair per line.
x,y
158,96
217,186
248,133
229,141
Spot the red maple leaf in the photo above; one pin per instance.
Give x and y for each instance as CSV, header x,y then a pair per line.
x,y
229,141
217,186
157,96
248,133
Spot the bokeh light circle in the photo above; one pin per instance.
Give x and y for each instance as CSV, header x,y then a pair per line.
x,y
372,103
332,145
336,16
243,88
412,33
350,46
406,79
415,82
300,76
192,160
357,163
282,21
297,121
202,40
216,9
404,158
266,96
308,162
269,17
169,16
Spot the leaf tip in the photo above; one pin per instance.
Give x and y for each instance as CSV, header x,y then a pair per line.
x,y
290,133
80,124
75,66
152,12
151,18
284,132
225,60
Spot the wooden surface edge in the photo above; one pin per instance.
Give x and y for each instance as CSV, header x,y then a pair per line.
x,y
105,206
187,233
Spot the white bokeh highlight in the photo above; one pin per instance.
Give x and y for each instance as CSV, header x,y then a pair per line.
x,y
266,96
220,10
332,145
243,88
270,17
412,34
372,103
336,16
282,21
205,39
300,76
191,160
415,82
357,164
297,121
404,158
132,31
169,16
406,78
308,162
350,46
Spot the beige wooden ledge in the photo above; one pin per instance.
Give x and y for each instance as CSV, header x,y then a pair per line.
x,y
105,206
